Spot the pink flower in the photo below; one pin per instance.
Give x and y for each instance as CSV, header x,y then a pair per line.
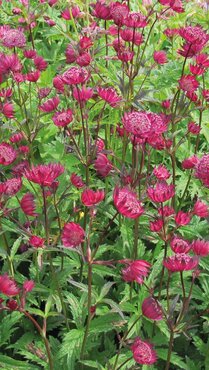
x,y
193,128
182,218
202,170
188,83
205,94
118,13
82,95
102,165
7,154
89,197
110,96
101,10
8,286
156,226
13,186
14,38
75,76
151,309
179,245
136,271
143,352
85,42
161,192
36,241
181,262
77,181
16,138
84,59
50,104
129,35
10,63
144,124
32,76
29,54
58,84
160,57
196,70
126,203
135,19
194,35
27,204
200,247
166,104
44,174
74,12
63,118
190,162
72,235
71,54
43,92
166,211
161,172
40,63
7,110
28,285
200,209
125,55
100,145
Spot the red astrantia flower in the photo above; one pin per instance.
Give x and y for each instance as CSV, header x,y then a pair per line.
x,y
182,218
161,192
196,70
161,172
7,110
84,59
202,170
32,76
40,63
50,104
82,95
10,63
143,352
200,247
151,309
44,174
72,235
7,154
28,285
101,10
200,209
77,181
135,19
179,245
160,57
193,128
12,186
156,226
8,286
166,211
118,13
125,55
188,83
110,96
71,54
36,241
181,262
74,12
194,35
14,38
102,165
126,203
27,204
129,35
202,60
136,271
16,138
63,118
144,124
75,76
190,162
20,168
89,197
58,84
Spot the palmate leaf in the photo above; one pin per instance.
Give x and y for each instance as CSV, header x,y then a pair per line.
x,y
71,347
8,363
8,326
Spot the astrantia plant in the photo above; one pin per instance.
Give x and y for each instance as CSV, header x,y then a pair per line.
x,y
104,177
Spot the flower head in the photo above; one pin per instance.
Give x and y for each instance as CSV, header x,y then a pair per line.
x,y
119,12
102,165
8,286
50,104
200,209
202,170
190,162
188,83
101,10
143,352
161,172
44,174
151,309
90,197
179,245
76,181
75,76
160,57
36,241
161,192
13,38
181,262
136,271
200,247
182,218
72,235
12,186
110,96
7,154
63,118
27,204
126,203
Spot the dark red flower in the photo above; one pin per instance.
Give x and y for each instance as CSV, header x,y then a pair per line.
x,y
110,96
63,118
50,104
200,209
72,235
7,154
101,10
77,181
190,162
102,165
75,76
27,204
44,174
135,19
200,247
160,57
181,262
8,286
12,186
193,128
136,271
119,12
36,241
126,203
182,218
151,309
14,38
179,245
143,352
89,197
161,192
188,83
202,170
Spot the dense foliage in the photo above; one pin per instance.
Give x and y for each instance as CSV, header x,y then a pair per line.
x,y
104,177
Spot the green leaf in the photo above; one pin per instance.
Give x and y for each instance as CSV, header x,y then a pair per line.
x,y
15,247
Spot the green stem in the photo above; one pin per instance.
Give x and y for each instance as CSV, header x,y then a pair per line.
x,y
89,309
169,350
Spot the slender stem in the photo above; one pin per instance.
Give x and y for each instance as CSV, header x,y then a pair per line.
x,y
182,284
46,342
169,350
89,309
125,362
